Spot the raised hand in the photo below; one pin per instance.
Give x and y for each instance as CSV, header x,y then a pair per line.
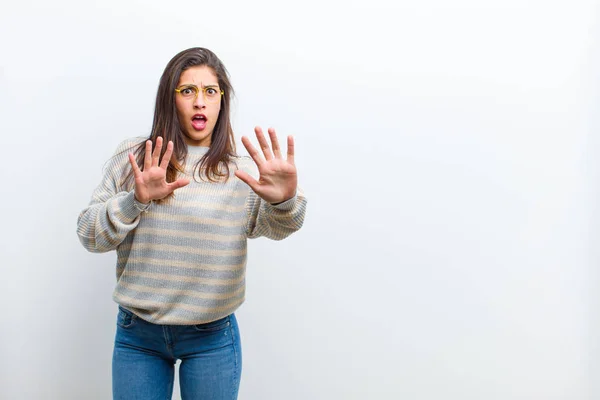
x,y
278,178
151,183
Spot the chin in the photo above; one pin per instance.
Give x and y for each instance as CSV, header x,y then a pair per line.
x,y
199,137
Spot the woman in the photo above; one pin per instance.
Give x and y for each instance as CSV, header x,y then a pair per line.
x,y
179,220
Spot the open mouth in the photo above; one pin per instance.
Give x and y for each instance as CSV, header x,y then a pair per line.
x,y
199,121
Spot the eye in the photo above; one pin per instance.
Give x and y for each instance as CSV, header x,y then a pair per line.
x,y
188,91
211,91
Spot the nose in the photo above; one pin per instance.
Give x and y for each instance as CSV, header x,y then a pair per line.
x,y
199,102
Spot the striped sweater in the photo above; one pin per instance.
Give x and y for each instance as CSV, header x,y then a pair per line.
x,y
183,261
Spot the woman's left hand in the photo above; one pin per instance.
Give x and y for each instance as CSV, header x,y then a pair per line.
x,y
278,178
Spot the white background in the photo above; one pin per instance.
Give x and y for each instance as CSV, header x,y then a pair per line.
x,y
448,150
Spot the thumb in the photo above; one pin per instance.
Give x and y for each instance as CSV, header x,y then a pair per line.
x,y
246,178
179,183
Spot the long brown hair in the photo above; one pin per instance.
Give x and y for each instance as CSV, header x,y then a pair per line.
x,y
215,163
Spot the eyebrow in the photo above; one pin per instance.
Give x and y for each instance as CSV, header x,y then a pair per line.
x,y
204,86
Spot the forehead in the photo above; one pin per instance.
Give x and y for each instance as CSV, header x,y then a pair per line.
x,y
199,75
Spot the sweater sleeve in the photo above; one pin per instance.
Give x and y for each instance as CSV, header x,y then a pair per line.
x,y
273,221
111,213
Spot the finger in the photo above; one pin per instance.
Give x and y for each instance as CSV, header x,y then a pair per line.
x,y
274,143
179,183
157,150
290,149
249,180
167,156
252,151
134,166
263,143
148,155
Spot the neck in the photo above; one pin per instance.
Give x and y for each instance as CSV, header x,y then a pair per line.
x,y
199,150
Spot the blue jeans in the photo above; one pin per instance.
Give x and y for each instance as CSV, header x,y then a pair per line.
x,y
144,357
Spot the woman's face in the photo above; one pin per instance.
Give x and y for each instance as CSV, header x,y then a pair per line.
x,y
198,114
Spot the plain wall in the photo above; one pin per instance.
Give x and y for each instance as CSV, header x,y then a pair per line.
x,y
447,152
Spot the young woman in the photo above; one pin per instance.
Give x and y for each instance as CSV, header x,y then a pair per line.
x,y
178,207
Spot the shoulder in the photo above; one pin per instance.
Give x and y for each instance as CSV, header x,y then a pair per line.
x,y
129,144
120,158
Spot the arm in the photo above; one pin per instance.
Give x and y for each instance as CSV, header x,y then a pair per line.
x,y
275,221
275,206
111,213
114,212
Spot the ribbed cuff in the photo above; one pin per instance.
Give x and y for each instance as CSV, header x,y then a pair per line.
x,y
127,205
286,205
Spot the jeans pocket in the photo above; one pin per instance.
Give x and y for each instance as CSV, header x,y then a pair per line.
x,y
125,319
213,326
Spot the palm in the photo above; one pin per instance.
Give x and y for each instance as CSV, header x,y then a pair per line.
x,y
151,183
278,178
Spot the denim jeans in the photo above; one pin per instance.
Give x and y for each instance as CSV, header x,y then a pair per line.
x,y
144,357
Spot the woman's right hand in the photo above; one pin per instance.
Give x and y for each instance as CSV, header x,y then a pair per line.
x,y
151,183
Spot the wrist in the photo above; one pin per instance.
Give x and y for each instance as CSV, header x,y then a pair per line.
x,y
141,200
285,198
142,207
283,201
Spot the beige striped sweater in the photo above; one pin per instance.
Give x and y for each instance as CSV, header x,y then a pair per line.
x,y
182,262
